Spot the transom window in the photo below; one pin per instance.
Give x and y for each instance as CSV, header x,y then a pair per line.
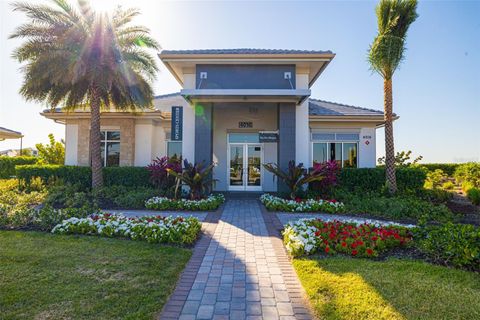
x,y
110,148
174,148
339,147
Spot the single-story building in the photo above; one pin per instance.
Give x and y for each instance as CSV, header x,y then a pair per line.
x,y
238,108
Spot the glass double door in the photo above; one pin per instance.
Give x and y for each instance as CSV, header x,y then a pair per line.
x,y
245,167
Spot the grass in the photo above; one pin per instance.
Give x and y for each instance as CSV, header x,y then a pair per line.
x,y
346,288
48,276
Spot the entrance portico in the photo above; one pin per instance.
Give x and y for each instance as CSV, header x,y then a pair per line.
x,y
234,98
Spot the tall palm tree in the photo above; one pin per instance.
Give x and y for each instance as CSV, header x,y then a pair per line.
x,y
385,55
75,58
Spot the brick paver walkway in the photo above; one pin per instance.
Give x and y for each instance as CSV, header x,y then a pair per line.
x,y
244,273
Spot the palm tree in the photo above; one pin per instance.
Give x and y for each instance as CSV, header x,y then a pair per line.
x,y
76,58
385,55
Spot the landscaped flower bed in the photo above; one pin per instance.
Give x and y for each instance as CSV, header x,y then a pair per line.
x,y
273,203
151,229
163,203
308,236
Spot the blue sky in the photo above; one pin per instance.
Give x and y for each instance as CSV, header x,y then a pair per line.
x,y
436,90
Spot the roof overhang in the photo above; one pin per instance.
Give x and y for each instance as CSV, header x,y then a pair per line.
x,y
312,63
378,120
62,117
9,134
252,95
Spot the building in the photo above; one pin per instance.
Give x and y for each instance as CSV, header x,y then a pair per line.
x,y
238,108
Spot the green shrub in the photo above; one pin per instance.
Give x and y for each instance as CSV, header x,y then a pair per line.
x,y
473,195
47,218
373,179
468,174
124,197
448,168
449,185
126,176
435,195
7,165
401,207
435,179
452,244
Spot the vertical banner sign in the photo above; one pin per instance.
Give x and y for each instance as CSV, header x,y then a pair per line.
x,y
177,124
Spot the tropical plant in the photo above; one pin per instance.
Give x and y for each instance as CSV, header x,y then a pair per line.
x,y
52,153
385,55
296,176
197,177
77,58
331,170
159,176
402,159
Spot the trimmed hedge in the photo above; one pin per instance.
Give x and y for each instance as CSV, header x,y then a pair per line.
x,y
7,165
373,179
125,176
448,168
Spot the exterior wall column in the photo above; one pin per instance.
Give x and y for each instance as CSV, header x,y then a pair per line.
x,y
302,126
204,133
144,133
286,144
71,144
367,156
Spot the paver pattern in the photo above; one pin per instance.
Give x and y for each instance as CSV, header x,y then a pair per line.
x,y
241,275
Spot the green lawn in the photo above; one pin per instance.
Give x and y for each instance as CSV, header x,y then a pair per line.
x,y
46,276
346,288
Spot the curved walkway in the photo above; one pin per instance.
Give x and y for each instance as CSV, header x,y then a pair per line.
x,y
239,270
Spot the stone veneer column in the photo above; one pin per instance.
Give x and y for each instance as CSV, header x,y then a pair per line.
x,y
203,133
286,143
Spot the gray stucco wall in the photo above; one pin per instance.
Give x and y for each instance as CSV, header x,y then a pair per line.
x,y
245,77
286,145
203,133
226,117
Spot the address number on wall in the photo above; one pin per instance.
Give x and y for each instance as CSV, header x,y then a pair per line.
x,y
245,124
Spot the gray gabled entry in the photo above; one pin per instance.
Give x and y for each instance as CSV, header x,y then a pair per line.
x,y
286,143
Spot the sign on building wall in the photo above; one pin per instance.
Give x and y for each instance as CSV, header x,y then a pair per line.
x,y
245,124
177,124
265,137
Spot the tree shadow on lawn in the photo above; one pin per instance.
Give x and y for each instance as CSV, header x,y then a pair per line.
x,y
349,288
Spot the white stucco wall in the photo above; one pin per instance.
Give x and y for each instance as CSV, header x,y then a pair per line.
x,y
367,148
159,146
143,143
71,144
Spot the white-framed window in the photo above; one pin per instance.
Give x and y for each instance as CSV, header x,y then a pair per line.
x,y
339,147
174,148
110,148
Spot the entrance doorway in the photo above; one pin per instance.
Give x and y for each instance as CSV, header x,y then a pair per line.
x,y
245,166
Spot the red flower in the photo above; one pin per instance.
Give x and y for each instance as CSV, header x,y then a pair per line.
x,y
369,251
317,233
327,249
344,244
298,200
354,252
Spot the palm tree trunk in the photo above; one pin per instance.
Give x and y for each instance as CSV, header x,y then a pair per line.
x,y
95,140
389,143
